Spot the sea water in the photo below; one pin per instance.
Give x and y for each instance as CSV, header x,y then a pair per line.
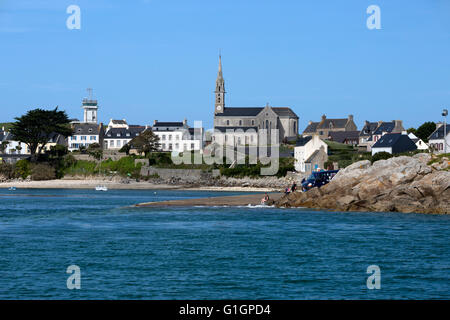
x,y
248,252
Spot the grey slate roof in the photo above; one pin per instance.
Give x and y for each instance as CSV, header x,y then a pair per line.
x,y
368,129
284,112
168,124
385,127
302,141
86,129
439,132
119,122
312,127
224,129
124,132
240,112
342,136
397,141
253,112
336,123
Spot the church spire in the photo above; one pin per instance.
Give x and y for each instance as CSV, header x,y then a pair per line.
x,y
220,90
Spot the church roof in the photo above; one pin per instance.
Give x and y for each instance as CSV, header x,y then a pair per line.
x,y
240,112
254,111
284,112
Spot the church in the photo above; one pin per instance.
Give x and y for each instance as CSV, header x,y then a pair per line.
x,y
240,126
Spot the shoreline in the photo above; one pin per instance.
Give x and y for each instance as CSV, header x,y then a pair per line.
x,y
112,185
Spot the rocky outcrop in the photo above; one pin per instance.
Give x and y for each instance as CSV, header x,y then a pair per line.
x,y
402,184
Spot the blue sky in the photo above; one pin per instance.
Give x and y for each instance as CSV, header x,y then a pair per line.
x,y
157,59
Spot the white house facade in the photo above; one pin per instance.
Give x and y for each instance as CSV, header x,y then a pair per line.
x,y
306,148
178,136
437,141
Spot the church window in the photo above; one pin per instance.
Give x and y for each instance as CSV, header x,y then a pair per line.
x,y
253,122
240,122
228,122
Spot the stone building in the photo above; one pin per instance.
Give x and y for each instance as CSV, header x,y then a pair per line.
x,y
240,126
325,126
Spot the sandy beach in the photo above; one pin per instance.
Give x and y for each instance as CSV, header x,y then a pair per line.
x,y
133,185
242,200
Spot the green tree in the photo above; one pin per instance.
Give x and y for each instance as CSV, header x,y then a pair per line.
x,y
35,127
412,130
146,142
425,130
3,146
95,151
126,148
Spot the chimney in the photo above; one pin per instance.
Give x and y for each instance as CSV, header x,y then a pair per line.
x,y
350,117
367,123
324,117
155,122
185,122
379,123
310,122
398,127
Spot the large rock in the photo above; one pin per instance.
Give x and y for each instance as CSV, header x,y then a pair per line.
x,y
403,184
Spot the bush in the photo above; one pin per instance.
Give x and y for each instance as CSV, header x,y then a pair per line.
x,y
42,171
7,170
381,156
22,169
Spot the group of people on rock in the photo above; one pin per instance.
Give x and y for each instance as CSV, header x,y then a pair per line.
x,y
293,188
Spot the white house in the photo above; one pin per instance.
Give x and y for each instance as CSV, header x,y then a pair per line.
x,y
13,146
394,143
436,139
310,153
419,142
178,136
119,133
85,134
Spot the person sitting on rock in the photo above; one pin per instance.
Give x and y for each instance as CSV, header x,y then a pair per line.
x,y
294,187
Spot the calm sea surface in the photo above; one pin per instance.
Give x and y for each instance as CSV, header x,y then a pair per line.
x,y
212,253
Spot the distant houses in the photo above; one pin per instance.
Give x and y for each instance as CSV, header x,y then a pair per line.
x,y
324,127
118,133
373,131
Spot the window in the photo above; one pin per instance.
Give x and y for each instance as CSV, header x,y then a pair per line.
x,y
111,143
253,122
118,143
170,146
192,146
163,137
228,122
163,146
93,138
185,147
177,137
240,122
170,137
83,138
177,146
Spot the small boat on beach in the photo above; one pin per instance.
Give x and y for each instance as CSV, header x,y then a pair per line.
x,y
12,188
101,188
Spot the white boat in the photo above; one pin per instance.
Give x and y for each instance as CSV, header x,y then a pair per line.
x,y
101,188
12,188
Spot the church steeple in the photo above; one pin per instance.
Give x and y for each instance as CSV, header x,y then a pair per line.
x,y
220,90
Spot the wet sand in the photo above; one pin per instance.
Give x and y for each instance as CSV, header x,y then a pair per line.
x,y
242,200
